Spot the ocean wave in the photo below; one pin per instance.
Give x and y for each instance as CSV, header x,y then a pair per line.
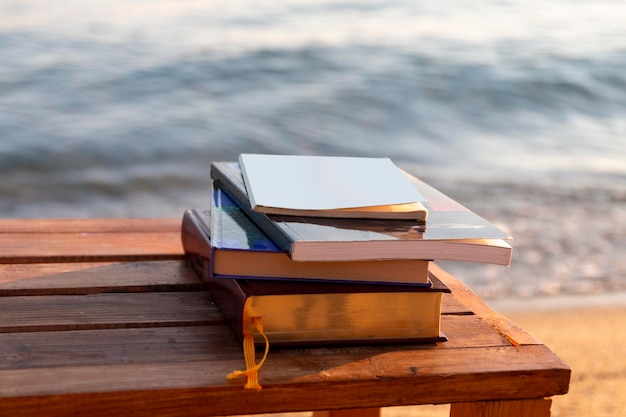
x,y
515,109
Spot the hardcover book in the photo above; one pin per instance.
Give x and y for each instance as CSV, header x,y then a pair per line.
x,y
237,248
330,186
452,232
326,313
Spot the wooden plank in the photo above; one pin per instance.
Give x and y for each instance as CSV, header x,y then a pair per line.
x,y
136,225
310,382
515,334
88,246
393,363
117,347
158,353
136,345
104,311
360,412
539,407
96,277
451,305
73,240
466,331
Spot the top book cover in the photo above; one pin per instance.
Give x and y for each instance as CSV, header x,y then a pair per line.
x,y
330,186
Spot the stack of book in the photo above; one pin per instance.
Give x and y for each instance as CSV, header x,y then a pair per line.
x,y
331,250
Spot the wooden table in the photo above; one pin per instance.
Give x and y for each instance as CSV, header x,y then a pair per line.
x,y
105,317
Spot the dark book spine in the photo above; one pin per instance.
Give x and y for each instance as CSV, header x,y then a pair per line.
x,y
226,293
231,183
195,238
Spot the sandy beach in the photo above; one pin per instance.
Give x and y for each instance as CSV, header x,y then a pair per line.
x,y
587,332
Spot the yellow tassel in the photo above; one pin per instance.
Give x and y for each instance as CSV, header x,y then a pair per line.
x,y
252,368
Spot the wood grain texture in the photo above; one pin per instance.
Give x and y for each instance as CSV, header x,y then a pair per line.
x,y
96,277
105,225
97,345
361,412
451,306
88,246
55,349
521,408
107,311
89,327
75,240
294,382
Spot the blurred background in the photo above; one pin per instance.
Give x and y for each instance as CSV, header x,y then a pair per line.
x,y
517,109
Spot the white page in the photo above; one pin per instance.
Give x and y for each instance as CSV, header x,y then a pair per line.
x,y
324,182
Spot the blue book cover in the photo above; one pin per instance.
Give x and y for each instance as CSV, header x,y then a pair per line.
x,y
239,249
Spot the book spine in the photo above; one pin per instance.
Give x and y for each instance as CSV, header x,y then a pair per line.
x,y
226,293
231,182
195,239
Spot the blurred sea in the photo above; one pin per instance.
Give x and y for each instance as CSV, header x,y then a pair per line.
x,y
516,108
